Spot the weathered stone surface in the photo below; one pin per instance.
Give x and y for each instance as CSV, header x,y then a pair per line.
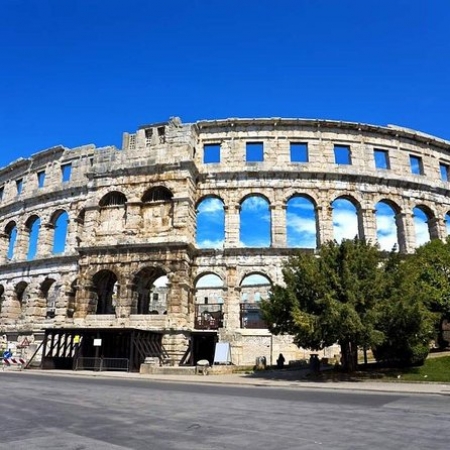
x,y
132,220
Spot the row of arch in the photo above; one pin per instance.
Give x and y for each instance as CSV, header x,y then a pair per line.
x,y
58,223
149,293
302,222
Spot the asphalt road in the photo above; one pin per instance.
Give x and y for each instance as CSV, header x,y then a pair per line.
x,y
70,413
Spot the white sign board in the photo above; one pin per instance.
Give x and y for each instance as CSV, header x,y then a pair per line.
x,y
97,342
222,355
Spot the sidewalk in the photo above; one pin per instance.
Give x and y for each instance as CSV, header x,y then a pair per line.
x,y
262,380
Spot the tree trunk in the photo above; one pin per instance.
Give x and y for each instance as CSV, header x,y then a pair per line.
x,y
349,351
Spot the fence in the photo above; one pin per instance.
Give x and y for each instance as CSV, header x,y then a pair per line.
x,y
102,364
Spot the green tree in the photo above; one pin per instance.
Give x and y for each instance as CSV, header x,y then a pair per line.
x,y
402,322
328,298
431,266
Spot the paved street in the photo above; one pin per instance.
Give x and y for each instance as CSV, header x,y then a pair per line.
x,y
60,412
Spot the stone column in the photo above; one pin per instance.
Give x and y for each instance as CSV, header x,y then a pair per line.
x,y
278,224
367,225
4,244
437,228
232,300
405,232
22,243
45,241
232,224
324,224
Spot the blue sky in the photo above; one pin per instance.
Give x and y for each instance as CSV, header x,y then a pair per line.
x,y
83,71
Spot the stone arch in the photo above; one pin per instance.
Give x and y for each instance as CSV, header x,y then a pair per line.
x,y
106,291
346,217
301,221
2,297
33,225
158,209
447,222
423,225
150,291
71,296
255,221
388,233
49,293
113,213
59,223
209,300
21,298
113,198
210,222
157,194
254,286
11,235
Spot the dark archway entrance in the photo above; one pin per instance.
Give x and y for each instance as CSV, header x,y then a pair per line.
x,y
203,346
106,289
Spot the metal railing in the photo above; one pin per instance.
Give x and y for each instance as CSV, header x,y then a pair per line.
x,y
208,317
251,316
102,364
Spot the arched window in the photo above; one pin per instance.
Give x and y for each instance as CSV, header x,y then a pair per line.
x,y
254,287
301,223
421,225
150,291
60,222
49,293
2,297
11,232
114,198
345,220
255,222
21,296
209,291
210,223
387,233
447,223
157,194
33,225
106,291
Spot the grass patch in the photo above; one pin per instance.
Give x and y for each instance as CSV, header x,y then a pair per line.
x,y
434,370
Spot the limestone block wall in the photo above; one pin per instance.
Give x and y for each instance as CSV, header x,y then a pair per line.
x,y
131,217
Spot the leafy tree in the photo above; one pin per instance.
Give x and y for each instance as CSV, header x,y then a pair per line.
x,y
431,266
329,298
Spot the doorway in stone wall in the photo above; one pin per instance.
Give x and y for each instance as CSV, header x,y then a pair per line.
x,y
203,346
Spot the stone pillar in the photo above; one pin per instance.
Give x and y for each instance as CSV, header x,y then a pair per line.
x,y
278,224
72,238
324,224
437,228
232,225
134,218
367,225
45,241
405,232
232,300
22,243
4,244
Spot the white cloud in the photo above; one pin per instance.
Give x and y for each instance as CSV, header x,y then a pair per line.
x,y
208,243
386,231
210,206
255,203
345,224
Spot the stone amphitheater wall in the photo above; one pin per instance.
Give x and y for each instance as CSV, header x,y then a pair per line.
x,y
132,213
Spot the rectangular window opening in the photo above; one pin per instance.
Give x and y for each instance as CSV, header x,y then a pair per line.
x,y
299,152
342,155
211,153
416,165
381,159
444,169
254,152
41,179
66,172
19,186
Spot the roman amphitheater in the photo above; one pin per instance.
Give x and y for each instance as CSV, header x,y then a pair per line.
x,y
165,247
